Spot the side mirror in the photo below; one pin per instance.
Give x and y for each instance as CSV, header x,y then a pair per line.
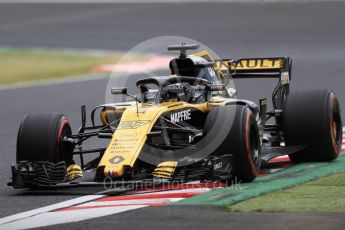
x,y
116,91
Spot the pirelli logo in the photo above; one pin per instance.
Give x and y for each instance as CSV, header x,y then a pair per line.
x,y
132,124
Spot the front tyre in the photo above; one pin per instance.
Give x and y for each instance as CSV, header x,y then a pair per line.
x,y
313,119
242,139
40,138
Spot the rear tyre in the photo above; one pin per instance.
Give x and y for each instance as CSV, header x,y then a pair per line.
x,y
313,119
242,140
40,138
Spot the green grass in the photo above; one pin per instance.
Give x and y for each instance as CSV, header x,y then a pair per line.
x,y
323,195
22,65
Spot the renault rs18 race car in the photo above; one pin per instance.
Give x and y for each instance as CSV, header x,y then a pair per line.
x,y
183,127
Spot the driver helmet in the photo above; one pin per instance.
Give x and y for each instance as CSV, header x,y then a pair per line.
x,y
207,72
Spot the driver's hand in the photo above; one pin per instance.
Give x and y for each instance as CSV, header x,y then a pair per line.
x,y
188,92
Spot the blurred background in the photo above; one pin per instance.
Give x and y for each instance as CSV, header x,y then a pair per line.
x,y
40,42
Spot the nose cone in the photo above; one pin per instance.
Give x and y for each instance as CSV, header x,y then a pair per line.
x,y
114,171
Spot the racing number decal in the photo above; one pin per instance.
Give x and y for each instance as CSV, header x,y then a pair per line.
x,y
132,124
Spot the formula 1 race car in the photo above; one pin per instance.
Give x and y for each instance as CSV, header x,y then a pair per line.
x,y
184,127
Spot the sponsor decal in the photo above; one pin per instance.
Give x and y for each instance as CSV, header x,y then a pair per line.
x,y
151,94
256,63
218,165
116,160
284,78
132,124
180,116
173,88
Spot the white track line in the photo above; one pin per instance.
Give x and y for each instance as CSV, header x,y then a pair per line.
x,y
48,208
53,218
84,208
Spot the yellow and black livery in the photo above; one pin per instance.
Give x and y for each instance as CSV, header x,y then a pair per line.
x,y
185,126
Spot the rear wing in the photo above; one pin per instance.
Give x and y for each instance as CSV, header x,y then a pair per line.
x,y
276,67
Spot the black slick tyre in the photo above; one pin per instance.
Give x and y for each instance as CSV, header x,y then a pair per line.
x,y
241,140
313,119
40,138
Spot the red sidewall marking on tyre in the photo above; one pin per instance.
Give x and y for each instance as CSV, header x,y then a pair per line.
x,y
248,147
62,126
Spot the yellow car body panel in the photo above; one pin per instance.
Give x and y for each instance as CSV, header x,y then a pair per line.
x,y
131,134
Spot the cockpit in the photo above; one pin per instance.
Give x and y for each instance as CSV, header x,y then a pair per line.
x,y
179,88
190,79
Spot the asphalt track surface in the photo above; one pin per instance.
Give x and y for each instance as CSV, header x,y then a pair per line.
x,y
311,33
